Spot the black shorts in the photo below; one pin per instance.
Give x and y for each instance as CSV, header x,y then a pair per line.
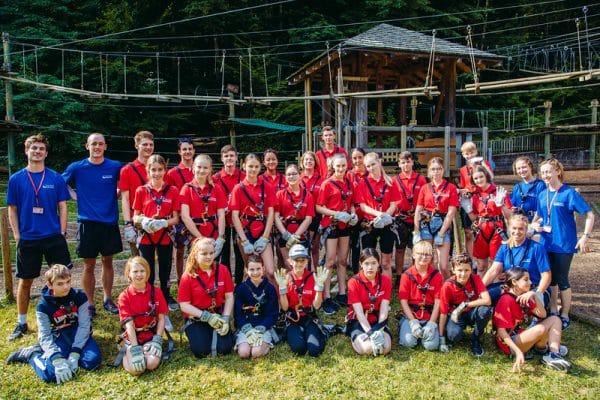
x,y
315,223
405,231
386,239
95,238
354,329
465,220
30,252
338,233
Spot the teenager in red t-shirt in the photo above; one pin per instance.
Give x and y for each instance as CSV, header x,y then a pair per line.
x,y
271,175
142,311
329,150
336,205
294,211
511,317
419,295
408,183
377,197
312,181
206,300
466,299
252,209
157,208
490,207
436,208
369,295
356,175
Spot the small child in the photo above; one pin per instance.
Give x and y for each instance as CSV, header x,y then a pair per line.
x,y
64,331
256,311
142,311
466,299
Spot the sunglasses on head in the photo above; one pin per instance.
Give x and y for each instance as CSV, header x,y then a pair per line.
x,y
185,140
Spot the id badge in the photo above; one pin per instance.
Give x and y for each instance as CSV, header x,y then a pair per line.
x,y
547,228
38,210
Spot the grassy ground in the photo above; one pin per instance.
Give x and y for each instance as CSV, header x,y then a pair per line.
x,y
338,372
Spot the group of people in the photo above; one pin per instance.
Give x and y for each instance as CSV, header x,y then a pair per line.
x,y
289,233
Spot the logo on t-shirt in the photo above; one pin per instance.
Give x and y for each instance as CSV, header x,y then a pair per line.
x,y
107,176
48,186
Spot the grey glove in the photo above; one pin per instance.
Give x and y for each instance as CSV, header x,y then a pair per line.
x,y
342,216
146,224
500,195
457,311
353,219
212,319
224,329
429,330
62,370
444,348
320,278
219,243
158,224
260,245
138,360
248,247
129,233
255,337
154,347
387,219
416,238
245,329
286,236
466,204
74,361
294,239
281,278
378,223
415,328
377,341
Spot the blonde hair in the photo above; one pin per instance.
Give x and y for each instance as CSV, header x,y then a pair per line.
x,y
511,242
250,156
375,157
332,159
422,247
205,157
468,147
156,159
133,261
37,138
57,271
313,156
557,165
191,264
141,135
435,160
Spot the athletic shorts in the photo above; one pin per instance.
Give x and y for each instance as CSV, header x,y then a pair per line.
x,y
386,239
95,238
560,265
30,252
404,239
465,220
338,233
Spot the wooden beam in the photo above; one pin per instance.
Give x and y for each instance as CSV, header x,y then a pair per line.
x,y
450,95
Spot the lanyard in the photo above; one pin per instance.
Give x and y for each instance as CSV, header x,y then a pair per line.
x,y
36,191
412,191
511,257
551,203
436,195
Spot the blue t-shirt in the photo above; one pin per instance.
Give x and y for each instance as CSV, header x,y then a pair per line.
x,y
525,196
530,254
43,221
562,204
96,187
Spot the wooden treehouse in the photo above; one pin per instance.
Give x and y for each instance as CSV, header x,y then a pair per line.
x,y
391,62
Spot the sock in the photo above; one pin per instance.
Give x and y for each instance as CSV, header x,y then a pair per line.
x,y
22,319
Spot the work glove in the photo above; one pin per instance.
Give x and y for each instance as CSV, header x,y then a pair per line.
x,y
342,216
438,239
74,361
429,330
286,236
499,197
387,219
154,347
144,223
212,319
129,233
245,329
224,329
377,341
138,360
259,336
416,237
260,245
248,247
415,328
476,161
281,278
353,219
219,243
457,311
466,204
444,348
293,239
158,224
62,370
320,276
378,223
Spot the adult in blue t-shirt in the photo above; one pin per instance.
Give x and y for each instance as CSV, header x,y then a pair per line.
x,y
555,220
37,212
520,251
95,181
524,196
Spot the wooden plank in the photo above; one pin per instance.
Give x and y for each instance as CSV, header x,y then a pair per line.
x,y
6,264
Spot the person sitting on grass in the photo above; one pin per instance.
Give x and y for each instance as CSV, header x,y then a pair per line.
x,y
512,316
142,311
465,299
64,331
256,311
369,294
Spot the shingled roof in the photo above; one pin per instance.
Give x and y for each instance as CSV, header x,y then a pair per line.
x,y
389,37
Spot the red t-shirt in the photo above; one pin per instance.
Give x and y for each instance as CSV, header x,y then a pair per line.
x,y
278,181
452,295
465,173
227,183
146,200
484,206
191,291
323,155
130,180
356,178
409,290
251,200
384,194
332,196
294,208
131,302
179,176
440,198
301,291
204,203
409,188
359,292
508,314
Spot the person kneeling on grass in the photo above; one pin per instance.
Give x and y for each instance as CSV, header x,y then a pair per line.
x,y
466,299
256,310
64,331
142,311
512,315
369,294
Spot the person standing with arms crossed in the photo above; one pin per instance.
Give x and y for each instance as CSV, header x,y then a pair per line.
x,y
95,179
37,213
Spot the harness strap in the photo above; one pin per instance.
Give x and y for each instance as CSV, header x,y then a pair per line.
x,y
212,292
132,165
469,295
423,290
378,199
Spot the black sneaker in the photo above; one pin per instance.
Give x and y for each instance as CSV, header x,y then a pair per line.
x,y
342,300
20,330
110,306
477,349
328,306
23,355
173,305
92,311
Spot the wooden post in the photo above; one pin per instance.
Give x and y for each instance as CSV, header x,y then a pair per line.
x,y
594,105
548,135
413,110
450,77
458,159
403,138
6,264
8,92
547,113
308,115
447,133
339,109
362,118
485,142
230,94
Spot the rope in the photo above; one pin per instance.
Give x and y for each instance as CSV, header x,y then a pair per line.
x,y
157,76
241,87
329,68
265,70
178,77
36,66
81,64
250,70
223,74
62,69
587,38
472,58
24,67
341,76
101,75
430,65
124,74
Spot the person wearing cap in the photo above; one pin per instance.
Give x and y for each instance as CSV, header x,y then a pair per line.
x,y
300,295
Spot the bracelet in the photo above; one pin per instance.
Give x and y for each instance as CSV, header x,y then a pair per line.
x,y
127,223
588,235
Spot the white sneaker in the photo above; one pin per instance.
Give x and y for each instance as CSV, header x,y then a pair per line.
x,y
555,361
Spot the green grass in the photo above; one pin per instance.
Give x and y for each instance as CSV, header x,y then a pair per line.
x,y
339,372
